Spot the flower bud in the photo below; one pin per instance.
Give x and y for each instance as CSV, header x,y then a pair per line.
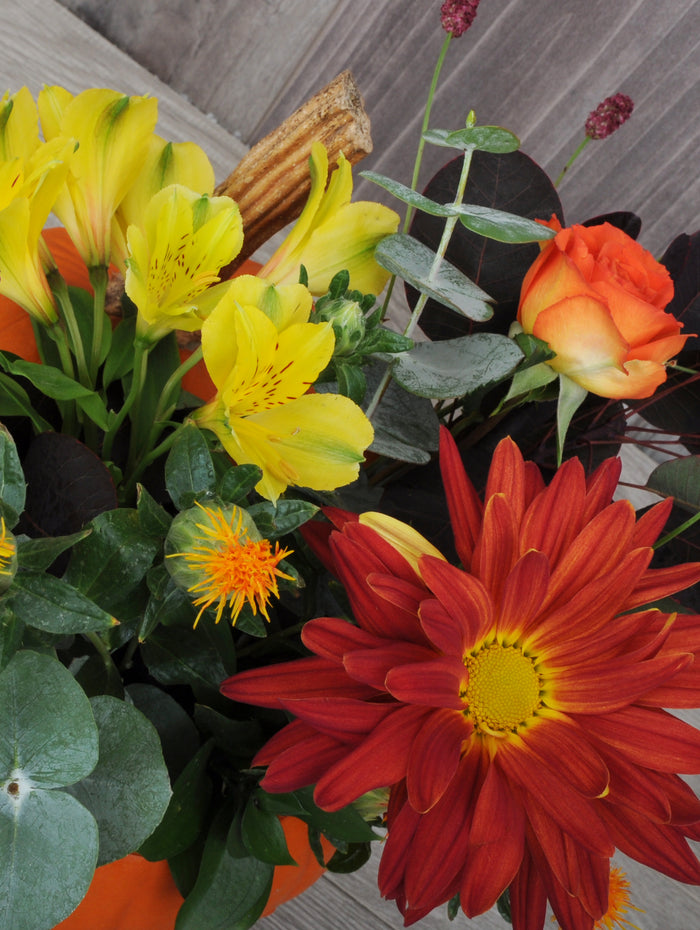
x,y
457,16
348,322
609,116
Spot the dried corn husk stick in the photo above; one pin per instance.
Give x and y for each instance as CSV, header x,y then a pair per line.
x,y
271,184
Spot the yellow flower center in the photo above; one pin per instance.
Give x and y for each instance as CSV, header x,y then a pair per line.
x,y
234,568
504,688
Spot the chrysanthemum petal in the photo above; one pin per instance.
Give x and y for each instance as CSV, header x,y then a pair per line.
x,y
560,744
464,597
396,591
332,637
435,755
342,718
507,476
523,592
371,666
600,487
651,738
497,548
441,682
575,814
311,677
541,528
378,761
661,582
528,899
594,690
650,524
463,502
303,764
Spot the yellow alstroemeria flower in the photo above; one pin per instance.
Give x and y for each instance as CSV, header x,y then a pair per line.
x,y
19,125
175,256
262,413
112,133
27,193
333,235
165,163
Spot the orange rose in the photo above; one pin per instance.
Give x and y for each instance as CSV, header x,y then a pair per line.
x,y
597,297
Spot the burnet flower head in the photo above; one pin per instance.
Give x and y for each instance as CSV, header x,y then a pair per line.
x,y
513,705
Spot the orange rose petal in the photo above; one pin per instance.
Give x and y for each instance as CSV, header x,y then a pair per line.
x,y
660,350
641,380
582,333
638,321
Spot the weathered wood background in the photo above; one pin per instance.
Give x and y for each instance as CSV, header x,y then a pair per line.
x,y
227,71
535,66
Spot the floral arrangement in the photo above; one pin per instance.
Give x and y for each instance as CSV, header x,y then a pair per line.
x,y
278,581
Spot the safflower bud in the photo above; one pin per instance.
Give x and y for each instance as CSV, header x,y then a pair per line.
x,y
609,116
456,16
347,320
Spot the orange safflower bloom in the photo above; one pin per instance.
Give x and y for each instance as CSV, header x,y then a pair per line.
x,y
513,706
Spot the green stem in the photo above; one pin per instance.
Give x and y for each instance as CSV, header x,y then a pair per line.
x,y
450,223
138,377
419,154
98,279
678,530
579,149
60,291
101,648
172,385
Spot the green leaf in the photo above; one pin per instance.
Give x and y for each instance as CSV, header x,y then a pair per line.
x,y
48,851
187,811
120,360
38,554
178,735
111,563
351,381
502,226
12,484
263,836
455,367
129,790
14,402
55,384
230,892
53,605
411,197
385,340
83,305
493,139
356,855
345,824
237,481
176,656
189,470
679,479
48,735
153,519
413,261
276,520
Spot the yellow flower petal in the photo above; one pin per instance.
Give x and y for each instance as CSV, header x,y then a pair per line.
x,y
409,542
19,126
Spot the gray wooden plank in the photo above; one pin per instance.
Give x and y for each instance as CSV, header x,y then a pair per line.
x,y
41,42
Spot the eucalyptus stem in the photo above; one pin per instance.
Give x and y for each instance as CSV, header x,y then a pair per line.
x,y
141,350
419,153
450,223
98,279
577,152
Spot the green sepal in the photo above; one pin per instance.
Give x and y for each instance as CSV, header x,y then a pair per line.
x,y
571,396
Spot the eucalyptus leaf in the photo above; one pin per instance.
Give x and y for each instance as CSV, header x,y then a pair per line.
x,y
48,737
493,139
680,479
415,263
502,226
48,852
53,605
12,485
187,811
11,632
129,790
455,367
409,196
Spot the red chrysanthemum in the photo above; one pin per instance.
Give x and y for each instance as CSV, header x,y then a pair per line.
x,y
513,706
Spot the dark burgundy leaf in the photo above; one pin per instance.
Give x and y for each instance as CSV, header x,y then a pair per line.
x,y
67,485
682,258
628,222
512,182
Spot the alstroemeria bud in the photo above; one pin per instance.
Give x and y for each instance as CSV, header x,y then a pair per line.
x,y
456,16
609,116
348,322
